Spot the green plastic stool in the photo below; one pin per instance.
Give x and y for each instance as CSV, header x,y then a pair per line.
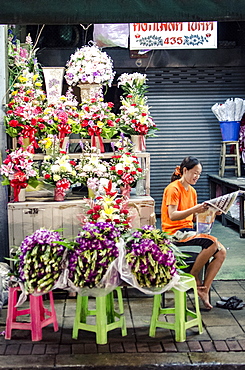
x,y
180,311
105,315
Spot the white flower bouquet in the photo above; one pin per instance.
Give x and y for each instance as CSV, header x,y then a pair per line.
x,y
89,65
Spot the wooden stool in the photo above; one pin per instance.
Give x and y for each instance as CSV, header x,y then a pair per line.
x,y
224,155
37,314
105,316
180,311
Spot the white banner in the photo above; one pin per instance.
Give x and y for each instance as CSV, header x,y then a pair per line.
x,y
173,35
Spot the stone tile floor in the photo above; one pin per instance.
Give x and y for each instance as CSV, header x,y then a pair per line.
x,y
222,344
224,330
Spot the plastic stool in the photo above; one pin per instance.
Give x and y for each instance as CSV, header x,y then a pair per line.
x,y
105,316
180,311
224,155
37,315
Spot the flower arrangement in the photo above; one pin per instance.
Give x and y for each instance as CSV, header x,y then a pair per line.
x,y
25,109
149,254
23,117
135,118
124,168
91,168
61,118
19,170
109,208
89,65
40,261
94,251
60,172
96,119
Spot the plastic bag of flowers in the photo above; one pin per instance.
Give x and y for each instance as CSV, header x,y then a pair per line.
x,y
92,260
40,263
148,262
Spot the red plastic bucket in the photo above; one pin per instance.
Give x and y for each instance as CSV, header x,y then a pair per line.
x,y
230,130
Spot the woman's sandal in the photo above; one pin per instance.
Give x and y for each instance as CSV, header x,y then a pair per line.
x,y
235,298
230,304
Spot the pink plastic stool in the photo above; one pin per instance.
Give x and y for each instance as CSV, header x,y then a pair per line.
x,y
37,315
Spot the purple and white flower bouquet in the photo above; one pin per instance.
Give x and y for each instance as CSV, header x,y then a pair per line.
x,y
89,65
91,261
41,261
149,264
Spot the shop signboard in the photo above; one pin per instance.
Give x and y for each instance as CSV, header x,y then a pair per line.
x,y
173,35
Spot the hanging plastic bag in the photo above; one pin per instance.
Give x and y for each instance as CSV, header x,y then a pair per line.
x,y
205,221
111,35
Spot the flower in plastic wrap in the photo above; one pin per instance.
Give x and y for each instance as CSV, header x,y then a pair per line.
x,y
150,257
40,261
94,250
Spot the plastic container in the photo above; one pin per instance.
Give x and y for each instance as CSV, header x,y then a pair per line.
x,y
230,130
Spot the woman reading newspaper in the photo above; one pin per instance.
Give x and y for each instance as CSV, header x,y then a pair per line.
x,y
178,214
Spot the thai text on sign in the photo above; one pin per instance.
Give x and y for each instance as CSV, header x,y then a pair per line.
x,y
173,35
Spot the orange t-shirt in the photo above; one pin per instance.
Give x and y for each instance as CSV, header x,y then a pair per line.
x,y
175,194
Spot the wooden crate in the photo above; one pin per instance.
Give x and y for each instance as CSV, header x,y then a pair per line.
x,y
24,218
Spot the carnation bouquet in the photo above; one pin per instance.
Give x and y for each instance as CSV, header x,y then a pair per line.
x,y
135,118
149,263
19,170
40,261
89,65
90,261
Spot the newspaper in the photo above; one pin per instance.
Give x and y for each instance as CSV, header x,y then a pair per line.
x,y
223,203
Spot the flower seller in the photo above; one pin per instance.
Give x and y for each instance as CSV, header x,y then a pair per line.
x,y
179,208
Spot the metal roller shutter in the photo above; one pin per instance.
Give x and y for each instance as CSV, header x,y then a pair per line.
x,y
180,101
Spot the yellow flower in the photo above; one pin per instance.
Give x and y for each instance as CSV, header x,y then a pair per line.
x,y
28,91
47,111
70,121
14,93
38,84
100,124
47,142
35,77
22,79
56,177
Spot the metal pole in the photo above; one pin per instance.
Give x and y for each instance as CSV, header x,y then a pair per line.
x,y
4,243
